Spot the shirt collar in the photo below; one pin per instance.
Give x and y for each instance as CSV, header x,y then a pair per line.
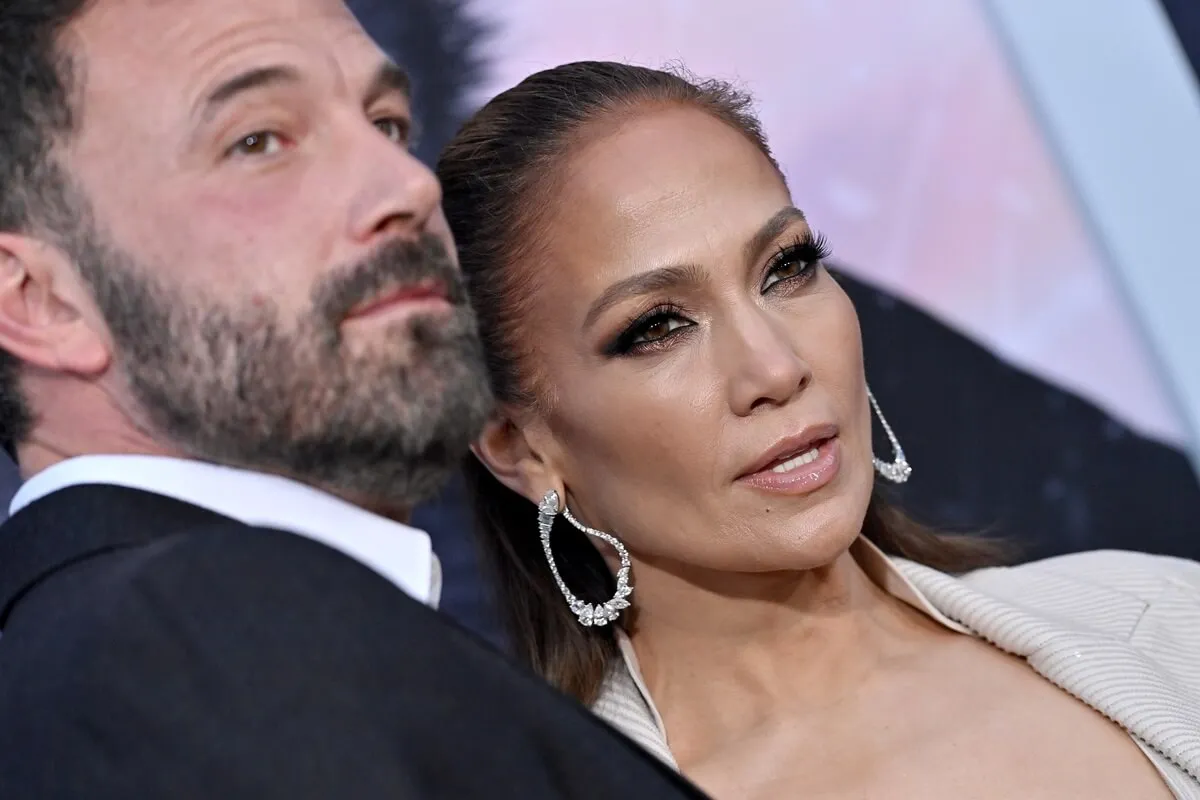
x,y
399,553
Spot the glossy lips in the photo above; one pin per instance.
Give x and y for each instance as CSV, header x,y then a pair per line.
x,y
798,464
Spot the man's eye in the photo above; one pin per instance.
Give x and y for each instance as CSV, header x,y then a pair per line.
x,y
259,143
393,128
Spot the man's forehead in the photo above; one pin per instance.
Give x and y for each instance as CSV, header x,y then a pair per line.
x,y
191,36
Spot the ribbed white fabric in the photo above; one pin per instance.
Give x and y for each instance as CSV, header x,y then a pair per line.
x,y
1119,631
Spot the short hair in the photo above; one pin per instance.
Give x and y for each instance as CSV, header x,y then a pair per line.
x,y
37,82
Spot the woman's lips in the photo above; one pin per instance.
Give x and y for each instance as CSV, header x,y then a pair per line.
x,y
800,473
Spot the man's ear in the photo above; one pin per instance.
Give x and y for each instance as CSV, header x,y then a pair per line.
x,y
511,453
47,318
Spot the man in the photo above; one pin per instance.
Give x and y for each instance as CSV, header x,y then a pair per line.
x,y
228,299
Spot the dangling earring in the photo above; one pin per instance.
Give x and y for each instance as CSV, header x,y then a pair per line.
x,y
898,470
588,613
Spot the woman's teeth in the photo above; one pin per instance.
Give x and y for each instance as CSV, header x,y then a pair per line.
x,y
798,461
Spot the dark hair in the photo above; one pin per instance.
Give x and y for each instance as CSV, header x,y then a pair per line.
x,y
497,179
37,82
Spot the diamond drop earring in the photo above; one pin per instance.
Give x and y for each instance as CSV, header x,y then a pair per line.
x,y
589,614
898,470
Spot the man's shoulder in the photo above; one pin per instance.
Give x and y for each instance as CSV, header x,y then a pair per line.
x,y
212,565
215,583
125,536
252,657
228,612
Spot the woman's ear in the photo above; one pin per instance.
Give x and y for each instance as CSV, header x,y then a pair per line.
x,y
505,449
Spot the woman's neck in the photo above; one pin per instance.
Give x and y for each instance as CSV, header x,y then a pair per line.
x,y
731,653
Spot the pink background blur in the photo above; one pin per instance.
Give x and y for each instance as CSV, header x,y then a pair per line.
x,y
905,140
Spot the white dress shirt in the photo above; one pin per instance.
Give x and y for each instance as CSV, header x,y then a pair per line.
x,y
399,553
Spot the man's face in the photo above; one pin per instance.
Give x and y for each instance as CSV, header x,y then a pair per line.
x,y
272,264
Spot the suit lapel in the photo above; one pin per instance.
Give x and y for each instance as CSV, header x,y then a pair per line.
x,y
1105,671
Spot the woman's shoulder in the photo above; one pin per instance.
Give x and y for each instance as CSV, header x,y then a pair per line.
x,y
1148,604
1143,575
1119,594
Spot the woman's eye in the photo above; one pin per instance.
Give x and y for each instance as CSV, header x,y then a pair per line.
x,y
659,329
393,128
797,261
653,329
792,268
259,143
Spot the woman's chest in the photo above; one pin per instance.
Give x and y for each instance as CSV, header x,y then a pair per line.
x,y
989,728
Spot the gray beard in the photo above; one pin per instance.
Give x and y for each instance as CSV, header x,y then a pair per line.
x,y
232,384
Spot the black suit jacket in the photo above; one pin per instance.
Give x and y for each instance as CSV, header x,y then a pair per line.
x,y
153,649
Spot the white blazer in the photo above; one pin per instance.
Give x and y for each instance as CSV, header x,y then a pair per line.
x,y
1119,631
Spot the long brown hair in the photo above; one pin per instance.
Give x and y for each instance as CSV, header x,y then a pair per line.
x,y
497,177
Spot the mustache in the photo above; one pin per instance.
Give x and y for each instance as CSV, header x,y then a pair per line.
x,y
402,262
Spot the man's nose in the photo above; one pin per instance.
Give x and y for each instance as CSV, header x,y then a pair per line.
x,y
397,195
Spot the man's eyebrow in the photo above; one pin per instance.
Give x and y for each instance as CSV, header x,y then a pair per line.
x,y
655,280
250,80
388,78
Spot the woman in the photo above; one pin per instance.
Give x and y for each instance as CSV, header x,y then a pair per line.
x,y
684,409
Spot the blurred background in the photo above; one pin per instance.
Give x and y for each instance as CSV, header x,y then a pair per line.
x,y
1008,187
908,141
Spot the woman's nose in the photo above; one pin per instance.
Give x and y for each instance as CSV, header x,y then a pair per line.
x,y
764,365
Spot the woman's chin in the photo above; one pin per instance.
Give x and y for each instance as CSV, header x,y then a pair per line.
x,y
812,539
784,549
818,548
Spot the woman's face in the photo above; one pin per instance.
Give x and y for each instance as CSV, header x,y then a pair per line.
x,y
702,375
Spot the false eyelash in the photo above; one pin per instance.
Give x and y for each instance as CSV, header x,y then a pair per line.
x,y
808,248
636,325
811,246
